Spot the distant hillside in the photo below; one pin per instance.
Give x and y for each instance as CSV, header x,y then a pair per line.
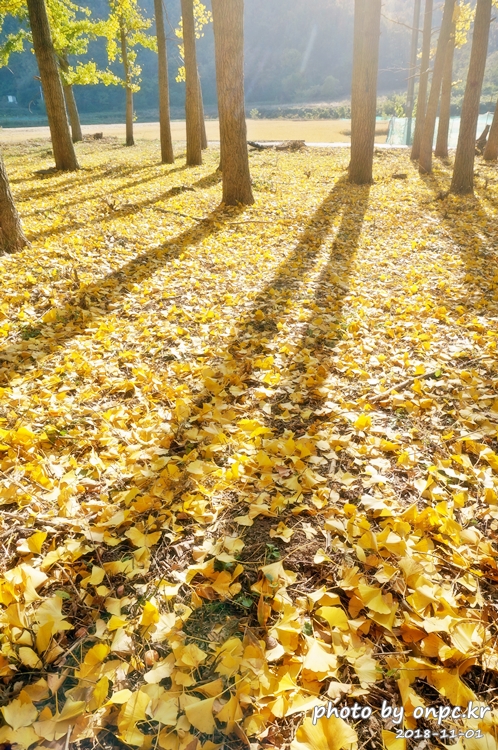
x,y
296,52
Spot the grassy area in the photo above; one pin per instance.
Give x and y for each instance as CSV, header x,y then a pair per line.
x,y
248,456
312,131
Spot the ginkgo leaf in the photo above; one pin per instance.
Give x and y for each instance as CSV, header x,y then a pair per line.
x,y
326,734
449,684
319,660
301,367
366,669
29,657
200,715
50,611
19,713
131,713
122,642
335,616
160,670
392,742
139,539
165,711
34,543
150,614
372,597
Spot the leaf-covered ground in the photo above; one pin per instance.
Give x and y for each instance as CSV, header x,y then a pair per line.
x,y
248,458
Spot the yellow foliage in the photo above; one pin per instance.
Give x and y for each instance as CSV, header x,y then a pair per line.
x,y
248,456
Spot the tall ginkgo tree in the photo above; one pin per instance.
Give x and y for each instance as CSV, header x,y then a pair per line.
x,y
127,28
427,137
462,19
35,12
367,15
72,29
195,16
228,19
63,148
463,172
423,79
167,155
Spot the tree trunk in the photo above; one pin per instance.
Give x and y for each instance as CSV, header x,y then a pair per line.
x,y
167,155
424,80
64,154
192,96
364,89
228,20
413,71
71,106
11,235
204,141
427,139
463,171
130,141
491,150
445,108
72,111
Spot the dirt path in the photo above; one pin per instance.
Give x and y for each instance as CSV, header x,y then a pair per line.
x,y
314,131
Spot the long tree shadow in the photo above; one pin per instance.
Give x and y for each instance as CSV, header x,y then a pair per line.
x,y
108,290
292,279
209,180
84,176
350,201
127,209
96,195
88,175
475,234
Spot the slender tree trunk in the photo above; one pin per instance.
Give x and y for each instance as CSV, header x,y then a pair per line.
x,y
427,140
364,90
192,97
11,235
413,71
228,20
463,171
71,106
445,108
167,155
204,141
130,141
64,154
359,21
491,150
424,80
73,113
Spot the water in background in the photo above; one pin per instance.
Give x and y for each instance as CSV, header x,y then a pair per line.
x,y
398,129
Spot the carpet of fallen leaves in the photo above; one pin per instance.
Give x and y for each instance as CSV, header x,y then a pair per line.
x,y
248,457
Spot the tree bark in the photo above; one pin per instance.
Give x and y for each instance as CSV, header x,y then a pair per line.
x,y
364,89
64,154
130,141
413,71
167,155
72,109
445,107
228,20
424,80
427,140
204,141
11,234
463,171
192,96
491,150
